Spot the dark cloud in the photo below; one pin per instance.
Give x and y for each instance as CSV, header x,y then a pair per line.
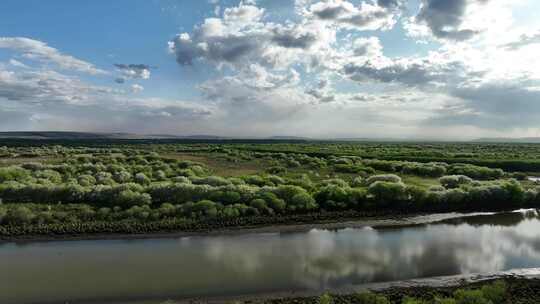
x,y
444,18
346,13
132,71
414,74
230,48
390,3
288,39
330,12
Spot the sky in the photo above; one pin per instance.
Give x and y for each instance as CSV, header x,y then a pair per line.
x,y
408,69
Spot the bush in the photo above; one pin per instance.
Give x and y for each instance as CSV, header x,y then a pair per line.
x,y
421,169
13,173
128,198
181,180
302,202
326,299
454,181
274,202
370,298
335,181
19,216
392,178
388,191
141,178
122,177
86,180
357,182
470,297
475,172
205,208
495,292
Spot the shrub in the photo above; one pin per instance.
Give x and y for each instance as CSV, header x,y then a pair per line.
x,y
388,191
302,202
383,178
181,180
495,292
274,202
255,180
50,175
335,181
86,180
470,297
141,178
276,180
104,178
421,169
475,172
122,177
454,181
370,298
326,299
357,182
205,208
13,173
3,213
19,215
130,198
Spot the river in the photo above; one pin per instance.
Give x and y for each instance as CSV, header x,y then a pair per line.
x,y
155,270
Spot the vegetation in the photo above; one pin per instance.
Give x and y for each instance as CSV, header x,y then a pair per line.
x,y
138,187
497,292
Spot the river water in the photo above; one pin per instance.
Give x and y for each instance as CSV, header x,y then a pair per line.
x,y
202,266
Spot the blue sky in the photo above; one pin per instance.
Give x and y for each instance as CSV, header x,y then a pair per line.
x,y
319,68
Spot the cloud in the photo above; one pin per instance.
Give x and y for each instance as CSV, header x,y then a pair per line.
x,y
497,106
448,20
344,14
17,64
524,40
136,88
242,37
40,51
368,47
132,71
47,86
44,99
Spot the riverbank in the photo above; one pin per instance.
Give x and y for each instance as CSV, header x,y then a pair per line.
x,y
523,286
329,221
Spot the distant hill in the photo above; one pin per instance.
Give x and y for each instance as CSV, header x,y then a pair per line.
x,y
285,137
60,135
119,135
509,140
77,135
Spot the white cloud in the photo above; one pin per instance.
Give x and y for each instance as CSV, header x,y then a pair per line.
x,y
137,88
40,51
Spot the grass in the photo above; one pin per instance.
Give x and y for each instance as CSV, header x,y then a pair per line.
x,y
8,161
219,165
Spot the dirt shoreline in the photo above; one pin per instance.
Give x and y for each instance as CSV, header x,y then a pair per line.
x,y
379,222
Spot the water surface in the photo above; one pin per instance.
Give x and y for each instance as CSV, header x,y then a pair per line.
x,y
160,269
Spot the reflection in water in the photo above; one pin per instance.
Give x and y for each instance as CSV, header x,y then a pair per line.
x,y
222,265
